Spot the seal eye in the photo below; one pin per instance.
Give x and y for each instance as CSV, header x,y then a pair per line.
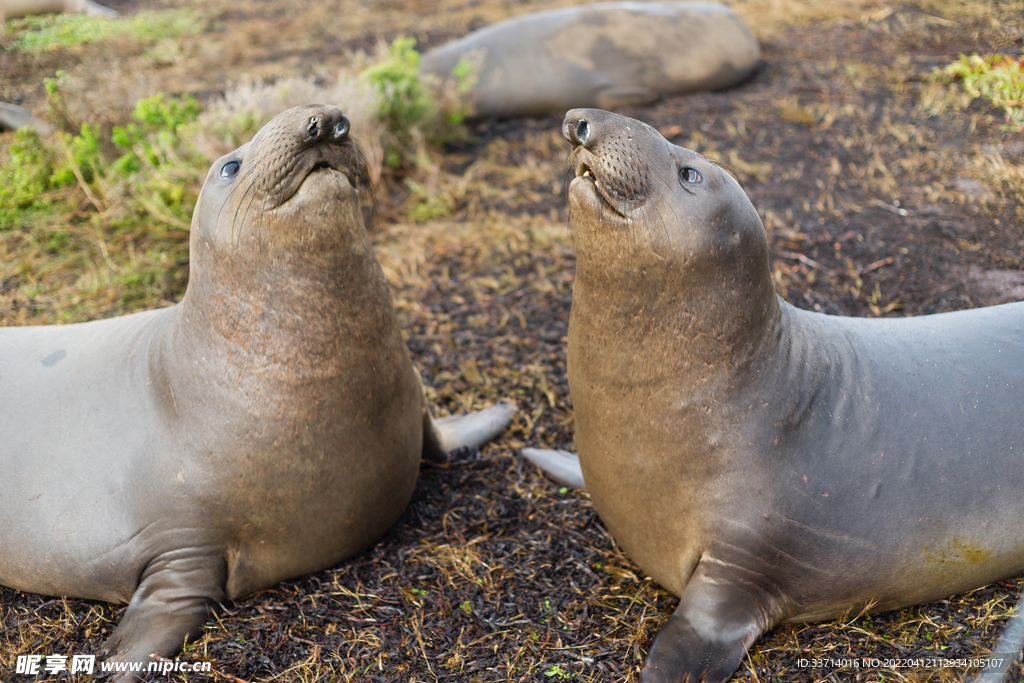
x,y
689,175
582,130
230,169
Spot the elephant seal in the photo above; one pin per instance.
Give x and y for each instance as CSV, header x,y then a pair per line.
x,y
607,55
762,462
13,117
269,425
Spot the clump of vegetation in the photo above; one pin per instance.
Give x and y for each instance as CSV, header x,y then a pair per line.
x,y
997,78
48,32
413,108
404,102
25,176
109,206
159,121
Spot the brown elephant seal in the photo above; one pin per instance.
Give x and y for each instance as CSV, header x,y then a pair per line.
x,y
269,425
607,55
762,462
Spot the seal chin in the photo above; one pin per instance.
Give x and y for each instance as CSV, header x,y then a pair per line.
x,y
586,193
322,184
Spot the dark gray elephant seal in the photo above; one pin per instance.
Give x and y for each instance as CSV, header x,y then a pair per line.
x,y
607,55
13,117
765,463
269,425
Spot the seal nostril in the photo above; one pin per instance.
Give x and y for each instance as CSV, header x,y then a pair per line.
x,y
342,128
313,129
582,130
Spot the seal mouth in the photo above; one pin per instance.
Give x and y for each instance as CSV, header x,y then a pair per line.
x,y
586,174
325,166
321,165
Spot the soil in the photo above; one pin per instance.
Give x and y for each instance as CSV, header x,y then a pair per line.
x,y
876,201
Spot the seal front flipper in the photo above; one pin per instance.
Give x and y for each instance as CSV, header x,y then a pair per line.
x,y
561,466
708,634
171,603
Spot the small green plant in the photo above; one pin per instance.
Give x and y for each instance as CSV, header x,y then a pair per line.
x,y
25,177
108,210
557,672
466,78
428,205
412,109
42,33
161,118
466,607
997,78
82,155
404,101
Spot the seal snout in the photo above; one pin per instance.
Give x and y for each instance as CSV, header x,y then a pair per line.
x,y
328,125
577,127
311,142
609,160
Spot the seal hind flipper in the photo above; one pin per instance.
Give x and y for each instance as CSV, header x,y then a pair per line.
x,y
561,466
707,636
463,432
171,603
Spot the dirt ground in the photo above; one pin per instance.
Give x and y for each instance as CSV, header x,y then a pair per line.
x,y
880,195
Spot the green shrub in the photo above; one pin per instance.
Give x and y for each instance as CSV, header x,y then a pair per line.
x,y
82,152
161,119
404,101
412,108
25,177
126,238
997,78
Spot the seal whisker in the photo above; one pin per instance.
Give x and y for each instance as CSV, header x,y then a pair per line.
x,y
253,185
257,182
236,183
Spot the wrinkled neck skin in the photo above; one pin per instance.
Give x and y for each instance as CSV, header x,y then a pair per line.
x,y
664,318
282,302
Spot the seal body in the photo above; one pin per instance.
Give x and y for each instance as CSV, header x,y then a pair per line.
x,y
269,425
606,55
766,463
